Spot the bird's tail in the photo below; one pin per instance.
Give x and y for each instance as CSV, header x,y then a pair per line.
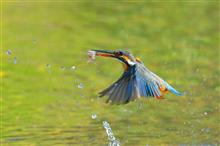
x,y
172,90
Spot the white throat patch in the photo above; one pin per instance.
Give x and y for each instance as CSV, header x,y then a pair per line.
x,y
131,62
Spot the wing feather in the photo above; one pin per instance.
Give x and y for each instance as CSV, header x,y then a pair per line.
x,y
135,82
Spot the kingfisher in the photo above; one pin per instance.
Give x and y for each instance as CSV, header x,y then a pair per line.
x,y
136,81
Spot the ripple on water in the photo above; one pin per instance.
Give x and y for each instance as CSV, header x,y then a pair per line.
x,y
52,135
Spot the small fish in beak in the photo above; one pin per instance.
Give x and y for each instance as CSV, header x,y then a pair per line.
x,y
91,56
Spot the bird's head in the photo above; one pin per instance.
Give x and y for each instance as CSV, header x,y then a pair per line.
x,y
123,56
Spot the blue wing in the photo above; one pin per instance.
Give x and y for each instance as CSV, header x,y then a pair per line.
x,y
155,83
124,89
134,83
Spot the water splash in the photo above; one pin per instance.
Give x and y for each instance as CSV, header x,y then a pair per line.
x,y
111,137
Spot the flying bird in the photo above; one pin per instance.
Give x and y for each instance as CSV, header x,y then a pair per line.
x,y
136,81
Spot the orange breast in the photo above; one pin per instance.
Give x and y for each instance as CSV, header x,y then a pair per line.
x,y
125,66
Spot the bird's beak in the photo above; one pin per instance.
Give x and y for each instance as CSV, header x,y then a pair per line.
x,y
104,53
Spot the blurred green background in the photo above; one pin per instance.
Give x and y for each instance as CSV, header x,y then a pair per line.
x,y
46,102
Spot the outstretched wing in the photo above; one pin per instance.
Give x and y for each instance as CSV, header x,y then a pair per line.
x,y
153,82
148,84
124,89
134,83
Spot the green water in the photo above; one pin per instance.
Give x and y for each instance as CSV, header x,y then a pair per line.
x,y
42,104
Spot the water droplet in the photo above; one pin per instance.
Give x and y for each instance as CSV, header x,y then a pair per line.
x,y
125,110
62,67
48,65
13,139
15,61
94,116
206,130
34,41
80,86
8,52
98,98
139,106
73,68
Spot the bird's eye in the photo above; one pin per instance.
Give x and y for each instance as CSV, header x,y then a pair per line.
x,y
118,53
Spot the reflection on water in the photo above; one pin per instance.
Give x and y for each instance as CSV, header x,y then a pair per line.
x,y
91,135
94,134
77,135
